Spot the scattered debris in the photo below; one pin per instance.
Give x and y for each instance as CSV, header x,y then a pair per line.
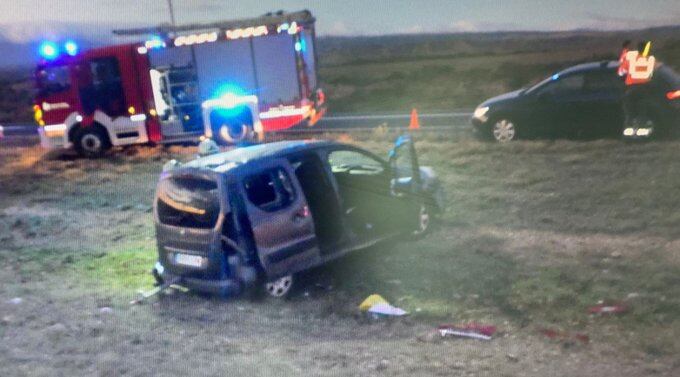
x,y
604,309
145,295
563,335
370,301
469,330
512,357
386,309
377,305
15,301
105,310
616,255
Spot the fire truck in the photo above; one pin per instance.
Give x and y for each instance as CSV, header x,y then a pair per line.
x,y
231,81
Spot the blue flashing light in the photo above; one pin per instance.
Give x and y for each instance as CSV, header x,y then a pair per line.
x,y
555,77
229,90
71,48
155,42
301,46
48,50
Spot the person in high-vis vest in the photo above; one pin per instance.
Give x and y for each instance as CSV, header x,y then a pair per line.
x,y
637,68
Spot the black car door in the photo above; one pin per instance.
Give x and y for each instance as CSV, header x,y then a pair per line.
x,y
557,106
281,222
406,183
600,104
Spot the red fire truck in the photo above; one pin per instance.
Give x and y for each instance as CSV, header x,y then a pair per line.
x,y
231,81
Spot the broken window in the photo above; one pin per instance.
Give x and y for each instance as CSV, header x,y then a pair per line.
x,y
270,190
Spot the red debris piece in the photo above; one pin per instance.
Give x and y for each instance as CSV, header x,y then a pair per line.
x,y
606,309
469,330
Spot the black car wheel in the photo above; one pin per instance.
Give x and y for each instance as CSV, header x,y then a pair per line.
x,y
504,130
91,142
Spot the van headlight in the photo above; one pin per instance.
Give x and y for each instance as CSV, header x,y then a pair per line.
x,y
480,113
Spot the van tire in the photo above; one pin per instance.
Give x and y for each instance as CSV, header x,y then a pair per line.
x,y
91,142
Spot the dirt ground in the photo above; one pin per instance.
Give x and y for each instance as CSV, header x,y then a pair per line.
x,y
536,233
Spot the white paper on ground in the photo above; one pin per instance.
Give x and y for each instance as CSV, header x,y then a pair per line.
x,y
386,309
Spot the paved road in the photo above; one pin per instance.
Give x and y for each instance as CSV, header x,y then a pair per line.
x,y
368,121
332,123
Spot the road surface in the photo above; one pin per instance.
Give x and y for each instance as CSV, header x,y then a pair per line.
x,y
23,133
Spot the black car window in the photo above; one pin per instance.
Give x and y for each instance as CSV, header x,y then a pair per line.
x,y
603,81
354,162
270,190
560,86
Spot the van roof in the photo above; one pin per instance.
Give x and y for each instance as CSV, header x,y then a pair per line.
x,y
240,156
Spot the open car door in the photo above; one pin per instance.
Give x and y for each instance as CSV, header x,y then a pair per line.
x,y
282,225
406,183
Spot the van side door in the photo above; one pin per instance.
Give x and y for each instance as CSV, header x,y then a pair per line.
x,y
281,222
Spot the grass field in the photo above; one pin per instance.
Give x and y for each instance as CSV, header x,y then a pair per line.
x,y
535,234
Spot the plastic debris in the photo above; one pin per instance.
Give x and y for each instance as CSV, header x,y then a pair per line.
x,y
469,330
386,309
370,301
604,309
563,335
378,306
15,301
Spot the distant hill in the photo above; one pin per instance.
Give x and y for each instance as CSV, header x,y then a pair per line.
x,y
396,72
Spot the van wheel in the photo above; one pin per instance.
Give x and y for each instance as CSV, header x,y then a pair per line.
x,y
504,130
91,142
280,287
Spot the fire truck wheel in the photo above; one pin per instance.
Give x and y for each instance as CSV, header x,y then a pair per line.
x,y
233,133
91,142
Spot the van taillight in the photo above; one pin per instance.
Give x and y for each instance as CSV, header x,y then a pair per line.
x,y
673,95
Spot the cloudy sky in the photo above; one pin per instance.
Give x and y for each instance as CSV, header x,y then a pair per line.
x,y
23,20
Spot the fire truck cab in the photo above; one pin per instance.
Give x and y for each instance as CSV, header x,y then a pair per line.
x,y
230,81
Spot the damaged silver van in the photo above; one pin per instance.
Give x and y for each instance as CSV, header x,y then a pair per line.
x,y
232,220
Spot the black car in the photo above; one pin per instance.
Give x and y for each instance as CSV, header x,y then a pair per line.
x,y
264,212
583,101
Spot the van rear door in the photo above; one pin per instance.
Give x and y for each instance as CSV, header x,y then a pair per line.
x,y
282,225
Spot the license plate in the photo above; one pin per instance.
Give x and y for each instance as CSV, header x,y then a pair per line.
x,y
189,260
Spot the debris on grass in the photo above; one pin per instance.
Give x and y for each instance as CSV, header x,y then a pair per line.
x,y
608,309
564,335
370,301
470,330
15,301
377,305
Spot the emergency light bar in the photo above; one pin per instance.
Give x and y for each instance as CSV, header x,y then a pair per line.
x,y
269,20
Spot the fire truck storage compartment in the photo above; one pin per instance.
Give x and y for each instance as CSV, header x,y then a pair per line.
x,y
276,66
175,89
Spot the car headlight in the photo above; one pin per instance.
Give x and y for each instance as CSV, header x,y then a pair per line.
x,y
480,112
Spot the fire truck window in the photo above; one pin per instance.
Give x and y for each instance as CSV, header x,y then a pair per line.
x,y
271,190
54,79
106,90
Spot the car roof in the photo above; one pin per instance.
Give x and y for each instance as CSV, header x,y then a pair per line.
x,y
239,156
591,66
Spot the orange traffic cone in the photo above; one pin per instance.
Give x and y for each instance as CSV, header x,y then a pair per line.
x,y
414,125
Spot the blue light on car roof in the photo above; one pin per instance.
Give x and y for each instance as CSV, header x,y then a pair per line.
x,y
555,76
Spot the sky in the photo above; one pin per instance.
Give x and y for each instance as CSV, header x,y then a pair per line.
x,y
24,21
